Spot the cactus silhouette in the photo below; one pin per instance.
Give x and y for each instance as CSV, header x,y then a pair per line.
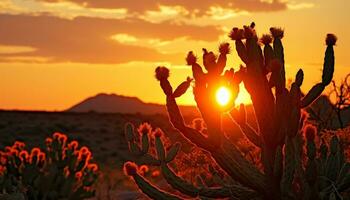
x,y
61,171
287,172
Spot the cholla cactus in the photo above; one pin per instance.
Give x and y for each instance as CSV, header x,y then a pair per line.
x,y
61,171
287,172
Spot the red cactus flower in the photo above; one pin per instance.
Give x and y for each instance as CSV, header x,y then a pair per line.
x,y
48,141
14,152
24,155
92,167
155,173
42,157
62,139
84,155
143,169
158,132
236,34
56,135
73,145
310,132
162,73
266,39
84,150
35,151
18,145
76,153
191,58
130,168
331,39
224,48
8,149
277,32
144,128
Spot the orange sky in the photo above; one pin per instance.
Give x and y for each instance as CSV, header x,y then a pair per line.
x,y
55,53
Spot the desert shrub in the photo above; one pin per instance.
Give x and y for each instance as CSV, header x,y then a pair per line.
x,y
60,171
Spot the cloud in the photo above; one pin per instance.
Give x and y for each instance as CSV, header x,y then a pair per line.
x,y
9,49
88,40
199,7
299,6
63,9
179,45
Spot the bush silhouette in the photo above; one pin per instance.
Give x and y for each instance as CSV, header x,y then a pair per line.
x,y
61,171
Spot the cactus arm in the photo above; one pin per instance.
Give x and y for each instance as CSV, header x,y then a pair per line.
x,y
224,49
327,73
189,189
239,116
177,121
241,51
312,95
234,191
152,191
279,54
251,134
177,182
230,159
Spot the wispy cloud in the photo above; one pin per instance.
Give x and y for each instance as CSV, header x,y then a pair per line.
x,y
11,49
64,9
299,6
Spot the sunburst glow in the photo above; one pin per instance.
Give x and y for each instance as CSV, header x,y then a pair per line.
x,y
223,96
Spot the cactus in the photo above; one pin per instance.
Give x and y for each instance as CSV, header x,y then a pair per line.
x,y
287,173
61,171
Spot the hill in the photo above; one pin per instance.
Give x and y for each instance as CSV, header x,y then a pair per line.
x,y
113,103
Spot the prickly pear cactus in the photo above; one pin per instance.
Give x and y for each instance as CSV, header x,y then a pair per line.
x,y
294,165
61,171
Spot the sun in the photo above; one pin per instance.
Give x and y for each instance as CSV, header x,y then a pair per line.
x,y
223,96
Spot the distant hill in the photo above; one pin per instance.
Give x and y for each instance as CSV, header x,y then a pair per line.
x,y
113,103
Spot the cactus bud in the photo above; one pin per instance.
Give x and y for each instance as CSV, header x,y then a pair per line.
x,y
224,48
162,73
266,39
331,39
236,34
130,168
144,128
191,58
158,132
277,32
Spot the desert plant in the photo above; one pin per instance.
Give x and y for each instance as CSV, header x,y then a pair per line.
x,y
341,95
61,171
287,173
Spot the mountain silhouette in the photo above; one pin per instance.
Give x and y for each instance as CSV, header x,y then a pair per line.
x,y
113,103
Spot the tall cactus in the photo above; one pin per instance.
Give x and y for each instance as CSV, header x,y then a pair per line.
x,y
280,122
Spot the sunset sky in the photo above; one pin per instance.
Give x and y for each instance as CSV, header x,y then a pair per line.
x,y
55,53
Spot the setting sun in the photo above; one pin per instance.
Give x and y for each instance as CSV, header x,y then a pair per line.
x,y
223,96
